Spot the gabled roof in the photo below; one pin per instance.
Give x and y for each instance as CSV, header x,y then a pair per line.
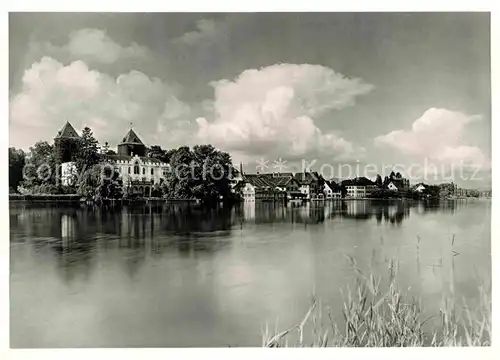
x,y
307,177
277,179
397,183
333,185
68,131
131,138
258,181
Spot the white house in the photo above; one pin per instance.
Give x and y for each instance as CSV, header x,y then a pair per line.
x,y
306,190
68,173
248,192
356,191
330,193
392,186
138,169
420,188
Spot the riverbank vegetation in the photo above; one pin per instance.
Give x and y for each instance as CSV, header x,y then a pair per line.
x,y
375,315
202,172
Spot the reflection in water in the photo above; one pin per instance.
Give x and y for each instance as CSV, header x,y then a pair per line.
x,y
314,213
75,232
145,268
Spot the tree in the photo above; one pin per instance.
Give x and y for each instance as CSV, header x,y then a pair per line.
x,y
392,175
111,185
89,182
156,152
105,148
40,165
168,155
215,168
398,175
203,172
179,182
386,182
378,181
16,165
87,154
101,182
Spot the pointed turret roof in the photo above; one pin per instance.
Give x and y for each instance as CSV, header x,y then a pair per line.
x,y
131,138
68,131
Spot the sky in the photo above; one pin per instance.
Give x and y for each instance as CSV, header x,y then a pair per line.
x,y
362,93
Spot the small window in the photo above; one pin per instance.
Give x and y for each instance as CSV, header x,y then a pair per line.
x,y
129,169
143,171
152,171
136,168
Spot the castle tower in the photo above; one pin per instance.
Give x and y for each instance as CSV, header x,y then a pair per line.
x,y
131,144
65,143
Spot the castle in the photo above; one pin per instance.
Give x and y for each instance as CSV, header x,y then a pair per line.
x,y
138,172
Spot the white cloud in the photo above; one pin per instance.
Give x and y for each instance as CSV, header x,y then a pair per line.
x,y
96,44
437,136
89,45
273,109
52,93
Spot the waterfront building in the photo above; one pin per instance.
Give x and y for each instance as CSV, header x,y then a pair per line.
x,y
138,172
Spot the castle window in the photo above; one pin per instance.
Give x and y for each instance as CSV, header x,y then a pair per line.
x,y
143,171
129,169
136,168
152,171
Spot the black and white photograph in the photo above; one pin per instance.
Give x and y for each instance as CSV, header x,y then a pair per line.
x,y
249,179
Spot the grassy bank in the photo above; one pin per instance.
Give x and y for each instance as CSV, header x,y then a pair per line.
x,y
378,315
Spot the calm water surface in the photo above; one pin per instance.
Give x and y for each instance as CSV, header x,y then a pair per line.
x,y
175,276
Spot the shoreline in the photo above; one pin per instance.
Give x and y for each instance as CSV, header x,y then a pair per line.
x,y
76,198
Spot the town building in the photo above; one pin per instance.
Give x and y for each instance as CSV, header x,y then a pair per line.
x,y
398,184
420,187
311,184
266,187
255,187
360,187
331,190
138,172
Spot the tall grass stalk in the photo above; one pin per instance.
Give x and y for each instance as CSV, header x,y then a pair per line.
x,y
390,318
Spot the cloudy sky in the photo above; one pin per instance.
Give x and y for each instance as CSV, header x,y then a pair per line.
x,y
331,89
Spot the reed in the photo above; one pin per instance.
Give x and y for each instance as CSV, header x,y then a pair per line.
x,y
378,315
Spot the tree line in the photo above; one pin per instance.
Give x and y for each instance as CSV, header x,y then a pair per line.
x,y
202,172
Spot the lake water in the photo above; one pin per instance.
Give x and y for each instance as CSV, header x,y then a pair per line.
x,y
177,276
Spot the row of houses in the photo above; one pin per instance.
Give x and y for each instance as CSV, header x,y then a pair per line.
x,y
312,186
362,187
280,186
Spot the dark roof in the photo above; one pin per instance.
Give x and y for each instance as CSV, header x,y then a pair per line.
x,y
131,138
360,181
277,179
68,131
258,180
333,185
307,177
128,158
398,183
